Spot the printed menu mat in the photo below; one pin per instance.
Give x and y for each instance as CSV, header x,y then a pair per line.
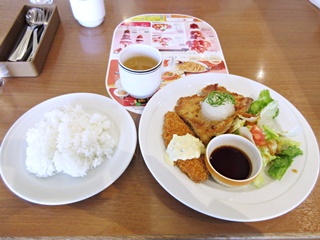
x,y
188,46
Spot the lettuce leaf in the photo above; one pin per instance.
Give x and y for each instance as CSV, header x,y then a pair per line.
x,y
267,157
283,161
268,114
263,100
269,133
285,142
258,182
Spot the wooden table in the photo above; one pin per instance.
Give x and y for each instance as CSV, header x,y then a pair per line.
x,y
274,42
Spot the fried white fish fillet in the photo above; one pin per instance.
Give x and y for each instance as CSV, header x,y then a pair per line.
x,y
194,168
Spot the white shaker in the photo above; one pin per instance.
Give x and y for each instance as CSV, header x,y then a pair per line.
x,y
89,13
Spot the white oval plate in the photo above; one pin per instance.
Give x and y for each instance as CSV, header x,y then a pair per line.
x,y
244,204
64,189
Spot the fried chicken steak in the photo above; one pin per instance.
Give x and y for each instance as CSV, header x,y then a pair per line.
x,y
189,109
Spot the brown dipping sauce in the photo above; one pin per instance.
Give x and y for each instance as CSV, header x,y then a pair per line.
x,y
231,162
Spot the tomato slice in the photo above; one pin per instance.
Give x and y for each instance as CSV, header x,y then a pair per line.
x,y
258,135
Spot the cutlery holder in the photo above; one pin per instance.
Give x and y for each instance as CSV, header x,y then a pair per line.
x,y
34,67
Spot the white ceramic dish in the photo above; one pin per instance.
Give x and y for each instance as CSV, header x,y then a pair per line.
x,y
245,204
64,189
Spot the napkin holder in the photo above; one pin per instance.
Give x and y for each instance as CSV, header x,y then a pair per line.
x,y
34,67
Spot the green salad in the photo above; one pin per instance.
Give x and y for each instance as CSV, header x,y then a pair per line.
x,y
277,150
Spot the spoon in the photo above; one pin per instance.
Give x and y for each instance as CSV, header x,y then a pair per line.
x,y
34,18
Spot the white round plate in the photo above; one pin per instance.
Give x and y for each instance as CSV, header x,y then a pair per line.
x,y
64,189
244,204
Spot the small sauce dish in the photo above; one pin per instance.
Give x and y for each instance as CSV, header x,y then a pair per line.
x,y
233,160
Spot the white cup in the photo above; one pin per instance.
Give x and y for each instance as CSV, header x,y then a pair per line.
x,y
89,13
140,83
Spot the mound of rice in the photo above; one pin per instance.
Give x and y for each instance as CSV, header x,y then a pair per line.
x,y
68,140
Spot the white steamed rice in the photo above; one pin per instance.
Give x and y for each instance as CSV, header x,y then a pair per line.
x,y
69,140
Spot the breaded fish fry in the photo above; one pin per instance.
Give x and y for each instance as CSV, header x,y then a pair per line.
x,y
194,168
173,124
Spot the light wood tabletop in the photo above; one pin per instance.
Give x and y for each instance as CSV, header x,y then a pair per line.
x,y
274,42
